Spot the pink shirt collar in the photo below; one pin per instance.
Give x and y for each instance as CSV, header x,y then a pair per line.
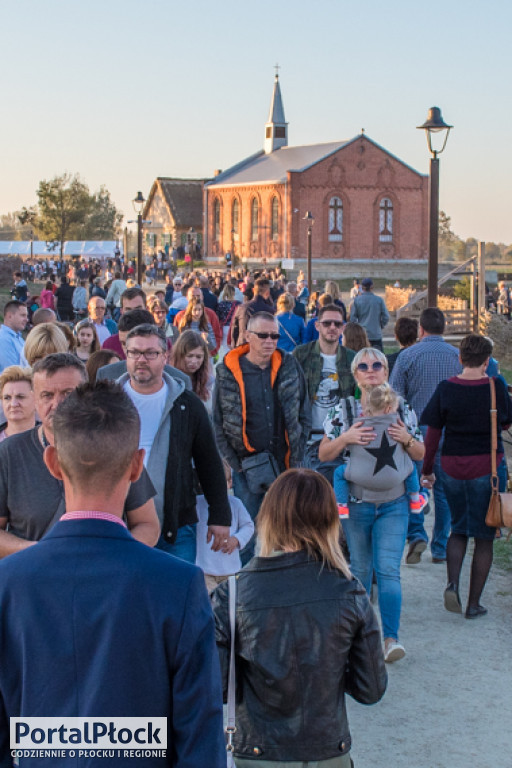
x,y
93,515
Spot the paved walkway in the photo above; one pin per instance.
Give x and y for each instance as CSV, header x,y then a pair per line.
x,y
449,701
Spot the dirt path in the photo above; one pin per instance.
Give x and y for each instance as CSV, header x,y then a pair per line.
x,y
449,700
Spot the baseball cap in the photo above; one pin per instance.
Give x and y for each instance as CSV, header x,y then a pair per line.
x,y
367,282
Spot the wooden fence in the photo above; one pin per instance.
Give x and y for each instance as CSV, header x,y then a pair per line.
x,y
458,321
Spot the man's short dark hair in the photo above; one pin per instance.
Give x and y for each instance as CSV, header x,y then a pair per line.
x,y
57,361
406,331
13,306
266,316
474,350
132,293
17,274
261,284
133,318
63,280
329,308
432,321
96,430
148,329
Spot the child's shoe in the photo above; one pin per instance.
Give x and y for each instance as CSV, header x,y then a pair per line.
x,y
418,503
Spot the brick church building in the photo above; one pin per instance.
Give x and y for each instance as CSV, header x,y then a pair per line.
x,y
367,204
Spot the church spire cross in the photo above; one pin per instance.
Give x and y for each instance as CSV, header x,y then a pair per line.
x,y
277,68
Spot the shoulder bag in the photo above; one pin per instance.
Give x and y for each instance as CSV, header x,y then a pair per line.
x,y
499,513
230,728
288,334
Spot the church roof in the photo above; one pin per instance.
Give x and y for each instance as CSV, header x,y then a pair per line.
x,y
184,198
262,168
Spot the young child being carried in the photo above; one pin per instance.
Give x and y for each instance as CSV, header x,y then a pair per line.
x,y
381,471
218,566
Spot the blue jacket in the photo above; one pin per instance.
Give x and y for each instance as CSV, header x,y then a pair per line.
x,y
94,623
290,325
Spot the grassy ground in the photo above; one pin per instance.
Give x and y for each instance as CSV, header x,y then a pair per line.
x,y
503,554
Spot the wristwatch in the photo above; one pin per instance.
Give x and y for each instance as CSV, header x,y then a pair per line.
x,y
410,442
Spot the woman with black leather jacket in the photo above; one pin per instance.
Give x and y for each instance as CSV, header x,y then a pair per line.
x,y
306,634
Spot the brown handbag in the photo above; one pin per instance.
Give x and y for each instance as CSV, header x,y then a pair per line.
x,y
499,513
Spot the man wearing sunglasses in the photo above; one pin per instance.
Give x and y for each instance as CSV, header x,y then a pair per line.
x,y
326,366
261,412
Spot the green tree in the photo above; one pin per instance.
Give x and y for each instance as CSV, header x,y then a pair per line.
x,y
104,220
68,211
64,203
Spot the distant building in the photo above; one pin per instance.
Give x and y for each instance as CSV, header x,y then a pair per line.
x,y
174,206
367,204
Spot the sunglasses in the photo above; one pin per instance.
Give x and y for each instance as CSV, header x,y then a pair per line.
x,y
376,366
336,323
273,336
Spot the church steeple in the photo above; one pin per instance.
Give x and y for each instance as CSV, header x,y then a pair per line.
x,y
276,127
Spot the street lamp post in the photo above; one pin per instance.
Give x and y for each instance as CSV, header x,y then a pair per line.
x,y
191,236
138,206
310,220
434,124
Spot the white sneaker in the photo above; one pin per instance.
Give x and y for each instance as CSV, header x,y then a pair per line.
x,y
394,652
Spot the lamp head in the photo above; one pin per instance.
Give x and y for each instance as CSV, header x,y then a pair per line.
x,y
434,124
309,218
138,203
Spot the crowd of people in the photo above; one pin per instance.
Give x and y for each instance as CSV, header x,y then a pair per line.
x,y
244,425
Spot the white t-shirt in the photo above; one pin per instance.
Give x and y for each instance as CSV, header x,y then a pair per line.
x,y
327,394
150,408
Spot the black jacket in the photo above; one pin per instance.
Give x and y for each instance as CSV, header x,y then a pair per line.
x,y
299,648
191,440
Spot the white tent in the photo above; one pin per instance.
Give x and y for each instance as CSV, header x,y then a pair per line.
x,y
86,249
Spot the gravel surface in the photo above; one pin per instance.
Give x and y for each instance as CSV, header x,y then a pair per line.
x,y
449,701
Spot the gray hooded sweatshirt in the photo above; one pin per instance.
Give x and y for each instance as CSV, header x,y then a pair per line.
x,y
157,463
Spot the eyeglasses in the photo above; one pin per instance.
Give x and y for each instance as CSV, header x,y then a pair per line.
x,y
148,354
159,311
273,336
336,323
376,366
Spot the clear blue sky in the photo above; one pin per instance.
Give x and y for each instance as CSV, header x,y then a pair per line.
x,y
122,91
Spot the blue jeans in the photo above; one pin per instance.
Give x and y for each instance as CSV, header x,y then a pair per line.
x,y
252,502
376,536
185,545
442,519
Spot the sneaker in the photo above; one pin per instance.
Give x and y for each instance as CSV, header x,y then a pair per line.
x,y
418,506
394,652
343,511
416,548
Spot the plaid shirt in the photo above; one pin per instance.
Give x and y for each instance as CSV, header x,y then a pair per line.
x,y
419,369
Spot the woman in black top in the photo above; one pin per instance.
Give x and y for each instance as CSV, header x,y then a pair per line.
x,y
306,634
461,406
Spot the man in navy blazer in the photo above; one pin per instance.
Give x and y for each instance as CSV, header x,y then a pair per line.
x,y
96,624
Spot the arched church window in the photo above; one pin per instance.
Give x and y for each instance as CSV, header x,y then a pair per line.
x,y
275,219
386,220
235,216
335,220
216,220
254,219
